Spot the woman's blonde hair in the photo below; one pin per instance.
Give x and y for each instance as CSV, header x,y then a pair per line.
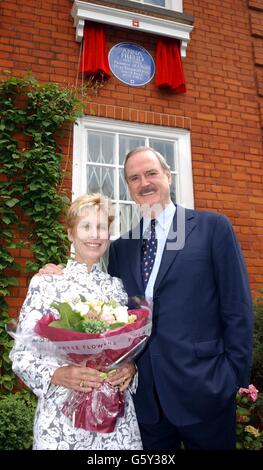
x,y
88,200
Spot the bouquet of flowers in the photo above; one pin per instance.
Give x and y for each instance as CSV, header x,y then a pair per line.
x,y
249,426
100,335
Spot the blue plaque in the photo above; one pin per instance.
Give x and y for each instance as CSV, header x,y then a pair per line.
x,y
131,64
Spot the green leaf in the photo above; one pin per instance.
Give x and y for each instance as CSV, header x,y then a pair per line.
x,y
60,324
12,281
12,202
20,165
242,411
6,219
16,245
4,255
4,292
7,233
69,319
8,385
112,326
33,186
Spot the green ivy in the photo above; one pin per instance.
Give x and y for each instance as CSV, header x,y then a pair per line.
x,y
32,116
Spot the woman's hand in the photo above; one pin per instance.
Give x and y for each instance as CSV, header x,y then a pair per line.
x,y
123,376
51,269
81,379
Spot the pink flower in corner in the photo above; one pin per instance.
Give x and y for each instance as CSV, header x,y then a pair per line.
x,y
251,392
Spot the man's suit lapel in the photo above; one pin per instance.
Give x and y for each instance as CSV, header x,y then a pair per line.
x,y
169,255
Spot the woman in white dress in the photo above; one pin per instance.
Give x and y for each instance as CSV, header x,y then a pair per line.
x,y
88,224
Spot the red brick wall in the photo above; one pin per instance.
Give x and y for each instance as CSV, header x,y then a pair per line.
x,y
221,106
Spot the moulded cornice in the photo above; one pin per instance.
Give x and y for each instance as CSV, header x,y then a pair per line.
x,y
82,11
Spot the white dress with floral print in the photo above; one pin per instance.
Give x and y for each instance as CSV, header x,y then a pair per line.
x,y
52,429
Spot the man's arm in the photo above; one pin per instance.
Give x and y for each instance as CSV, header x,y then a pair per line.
x,y
235,299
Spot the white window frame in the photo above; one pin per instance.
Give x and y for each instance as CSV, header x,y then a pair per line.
x,y
184,186
175,5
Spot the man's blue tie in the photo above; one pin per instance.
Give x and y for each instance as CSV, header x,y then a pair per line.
x,y
149,248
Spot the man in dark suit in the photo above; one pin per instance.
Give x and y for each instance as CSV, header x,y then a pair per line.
x,y
199,353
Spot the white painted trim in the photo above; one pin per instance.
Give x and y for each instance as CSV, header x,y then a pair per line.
x,y
186,191
82,11
185,194
175,5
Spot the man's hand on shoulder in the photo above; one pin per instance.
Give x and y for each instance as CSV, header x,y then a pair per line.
x,y
50,268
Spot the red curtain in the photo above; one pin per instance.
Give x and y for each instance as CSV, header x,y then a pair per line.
x,y
169,67
94,57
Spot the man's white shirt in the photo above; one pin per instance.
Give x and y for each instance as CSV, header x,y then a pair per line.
x,y
162,226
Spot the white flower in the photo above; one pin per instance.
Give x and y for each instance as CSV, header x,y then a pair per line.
x,y
89,298
121,314
82,308
107,309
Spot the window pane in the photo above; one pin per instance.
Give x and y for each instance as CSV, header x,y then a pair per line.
x,y
100,179
156,2
124,192
127,143
100,147
128,217
166,149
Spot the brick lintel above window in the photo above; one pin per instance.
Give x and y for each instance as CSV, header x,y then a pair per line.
x,y
178,26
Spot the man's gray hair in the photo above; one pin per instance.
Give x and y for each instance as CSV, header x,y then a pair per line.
x,y
158,155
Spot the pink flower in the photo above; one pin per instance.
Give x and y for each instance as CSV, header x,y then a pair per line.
x,y
251,392
107,317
